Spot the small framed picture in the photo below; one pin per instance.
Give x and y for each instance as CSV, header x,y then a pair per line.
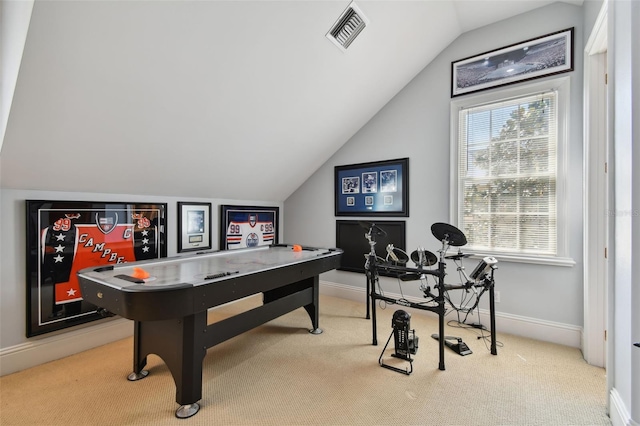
x,y
194,226
351,185
369,182
388,179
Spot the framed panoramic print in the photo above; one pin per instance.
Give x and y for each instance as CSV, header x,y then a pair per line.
x,y
64,237
373,189
248,226
194,226
539,57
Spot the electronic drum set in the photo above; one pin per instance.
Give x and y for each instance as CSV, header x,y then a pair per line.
x,y
395,265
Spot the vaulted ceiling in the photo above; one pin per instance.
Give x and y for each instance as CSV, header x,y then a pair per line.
x,y
215,99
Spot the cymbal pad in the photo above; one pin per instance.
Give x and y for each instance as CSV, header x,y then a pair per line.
x,y
444,231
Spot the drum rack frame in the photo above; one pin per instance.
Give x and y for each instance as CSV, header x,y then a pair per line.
x,y
372,272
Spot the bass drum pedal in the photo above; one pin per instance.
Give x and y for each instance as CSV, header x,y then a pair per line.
x,y
455,344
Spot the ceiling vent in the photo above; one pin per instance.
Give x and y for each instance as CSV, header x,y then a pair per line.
x,y
347,27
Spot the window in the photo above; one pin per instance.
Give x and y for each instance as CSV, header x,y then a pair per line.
x,y
508,174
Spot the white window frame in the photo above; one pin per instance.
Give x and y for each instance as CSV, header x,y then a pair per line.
x,y
562,86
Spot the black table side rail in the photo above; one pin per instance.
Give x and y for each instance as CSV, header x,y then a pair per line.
x,y
221,292
223,330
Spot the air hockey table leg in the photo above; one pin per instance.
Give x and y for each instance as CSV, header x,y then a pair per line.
x,y
181,344
313,308
188,410
139,360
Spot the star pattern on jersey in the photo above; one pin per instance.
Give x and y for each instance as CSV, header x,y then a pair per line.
x,y
58,258
146,241
60,237
71,292
59,248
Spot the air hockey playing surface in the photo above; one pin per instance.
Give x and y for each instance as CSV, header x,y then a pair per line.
x,y
176,286
202,268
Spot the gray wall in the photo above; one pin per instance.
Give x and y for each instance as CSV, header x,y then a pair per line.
x,y
591,11
415,124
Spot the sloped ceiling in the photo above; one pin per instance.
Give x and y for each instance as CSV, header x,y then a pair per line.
x,y
214,99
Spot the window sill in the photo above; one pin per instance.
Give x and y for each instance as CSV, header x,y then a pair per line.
x,y
540,260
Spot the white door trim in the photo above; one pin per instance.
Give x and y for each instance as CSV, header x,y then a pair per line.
x,y
595,193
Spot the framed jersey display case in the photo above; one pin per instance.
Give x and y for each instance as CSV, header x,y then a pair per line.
x,y
64,237
248,226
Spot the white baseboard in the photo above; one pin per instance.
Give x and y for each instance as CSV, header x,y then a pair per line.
x,y
40,351
36,352
618,412
546,331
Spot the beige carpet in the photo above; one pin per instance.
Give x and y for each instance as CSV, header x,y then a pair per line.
x,y
279,374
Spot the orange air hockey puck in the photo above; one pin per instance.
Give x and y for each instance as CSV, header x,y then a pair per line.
x,y
140,273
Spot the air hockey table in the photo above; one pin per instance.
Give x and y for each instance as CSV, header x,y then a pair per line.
x,y
169,302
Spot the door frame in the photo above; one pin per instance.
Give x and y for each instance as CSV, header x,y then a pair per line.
x,y
596,185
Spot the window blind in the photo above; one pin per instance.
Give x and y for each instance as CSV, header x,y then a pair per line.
x,y
507,174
